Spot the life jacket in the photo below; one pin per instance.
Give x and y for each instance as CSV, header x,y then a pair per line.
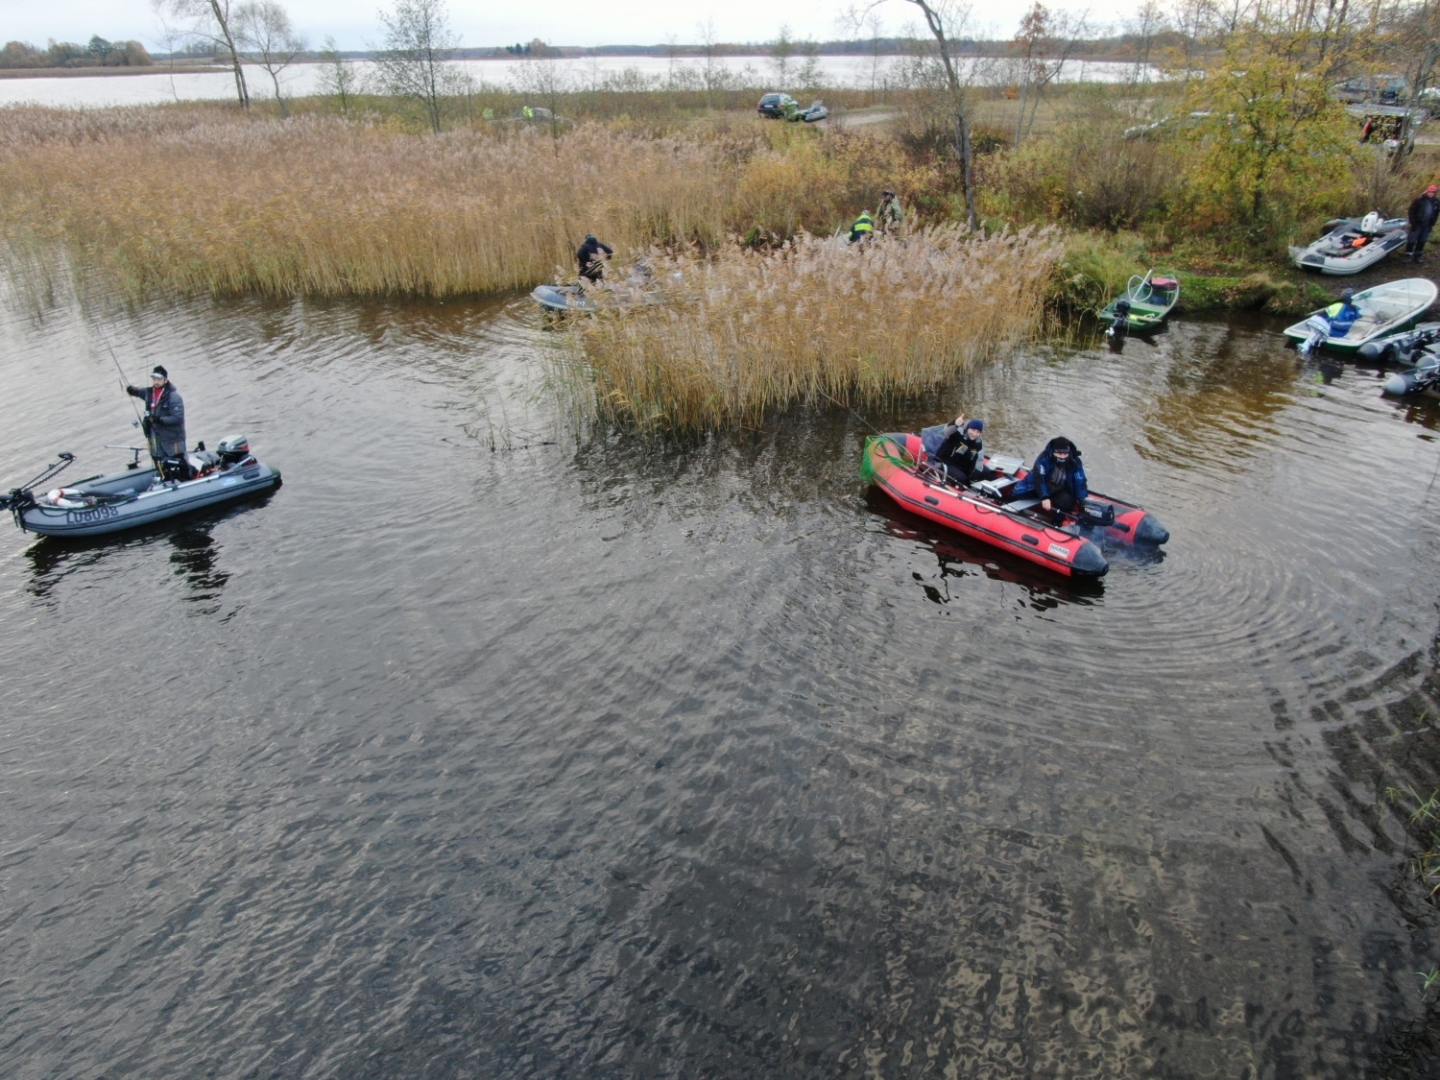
x,y
863,224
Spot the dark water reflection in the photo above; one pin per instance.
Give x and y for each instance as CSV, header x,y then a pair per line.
x,y
627,758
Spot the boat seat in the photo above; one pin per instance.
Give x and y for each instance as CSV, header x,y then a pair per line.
x,y
1023,504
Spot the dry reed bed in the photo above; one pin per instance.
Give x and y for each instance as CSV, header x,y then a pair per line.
x,y
196,202
721,341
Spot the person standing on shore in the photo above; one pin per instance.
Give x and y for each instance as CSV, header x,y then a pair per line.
x,y
1423,212
164,421
889,216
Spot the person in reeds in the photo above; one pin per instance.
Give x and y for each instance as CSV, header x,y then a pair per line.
x,y
889,216
164,421
1057,478
1423,212
592,264
864,227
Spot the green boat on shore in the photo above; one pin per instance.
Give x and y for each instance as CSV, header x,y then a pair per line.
x,y
1143,307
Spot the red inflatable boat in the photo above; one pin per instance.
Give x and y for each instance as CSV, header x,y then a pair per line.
x,y
898,466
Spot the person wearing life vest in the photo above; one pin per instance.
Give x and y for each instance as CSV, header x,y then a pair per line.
x,y
890,214
1057,478
961,453
863,228
1342,314
164,421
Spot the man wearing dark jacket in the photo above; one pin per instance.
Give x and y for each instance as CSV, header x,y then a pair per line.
x,y
1057,477
164,421
961,453
1423,212
592,266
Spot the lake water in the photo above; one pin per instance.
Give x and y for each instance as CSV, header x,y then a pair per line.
x,y
300,80
483,749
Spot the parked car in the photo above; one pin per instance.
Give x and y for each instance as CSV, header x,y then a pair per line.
x,y
778,106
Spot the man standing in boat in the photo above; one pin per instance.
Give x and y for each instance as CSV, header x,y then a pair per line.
x,y
592,265
164,421
1057,478
1423,213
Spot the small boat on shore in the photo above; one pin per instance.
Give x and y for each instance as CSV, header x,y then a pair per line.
x,y
562,298
897,464
138,496
1352,244
1384,310
1144,306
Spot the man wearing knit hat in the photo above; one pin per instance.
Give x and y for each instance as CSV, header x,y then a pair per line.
x,y
1423,212
164,421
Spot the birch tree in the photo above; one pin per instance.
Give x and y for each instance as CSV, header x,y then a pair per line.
x,y
415,61
264,30
211,21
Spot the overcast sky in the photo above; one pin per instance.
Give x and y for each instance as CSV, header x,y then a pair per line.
x,y
355,23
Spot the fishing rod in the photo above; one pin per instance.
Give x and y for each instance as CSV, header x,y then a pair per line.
x,y
124,382
851,411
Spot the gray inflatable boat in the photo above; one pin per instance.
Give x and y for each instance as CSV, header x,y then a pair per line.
x,y
139,496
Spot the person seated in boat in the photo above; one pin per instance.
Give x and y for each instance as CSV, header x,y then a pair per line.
x,y
1057,478
164,422
592,264
1342,314
961,454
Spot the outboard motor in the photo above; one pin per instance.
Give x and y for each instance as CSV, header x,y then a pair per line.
x,y
1319,327
1120,325
233,450
1371,222
1095,514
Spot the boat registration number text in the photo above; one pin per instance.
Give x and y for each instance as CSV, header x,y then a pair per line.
x,y
99,513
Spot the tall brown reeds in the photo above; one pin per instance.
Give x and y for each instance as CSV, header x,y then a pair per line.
x,y
326,207
722,340
198,199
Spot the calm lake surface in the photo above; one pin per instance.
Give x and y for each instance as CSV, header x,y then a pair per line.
x,y
592,757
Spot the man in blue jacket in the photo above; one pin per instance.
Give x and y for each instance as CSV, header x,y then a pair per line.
x,y
1057,478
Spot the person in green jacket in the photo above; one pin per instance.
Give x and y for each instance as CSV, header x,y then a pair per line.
x,y
863,228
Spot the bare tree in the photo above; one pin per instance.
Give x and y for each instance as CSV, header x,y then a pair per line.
x,y
711,49
946,18
1045,42
209,21
781,50
415,60
1149,22
338,76
264,30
